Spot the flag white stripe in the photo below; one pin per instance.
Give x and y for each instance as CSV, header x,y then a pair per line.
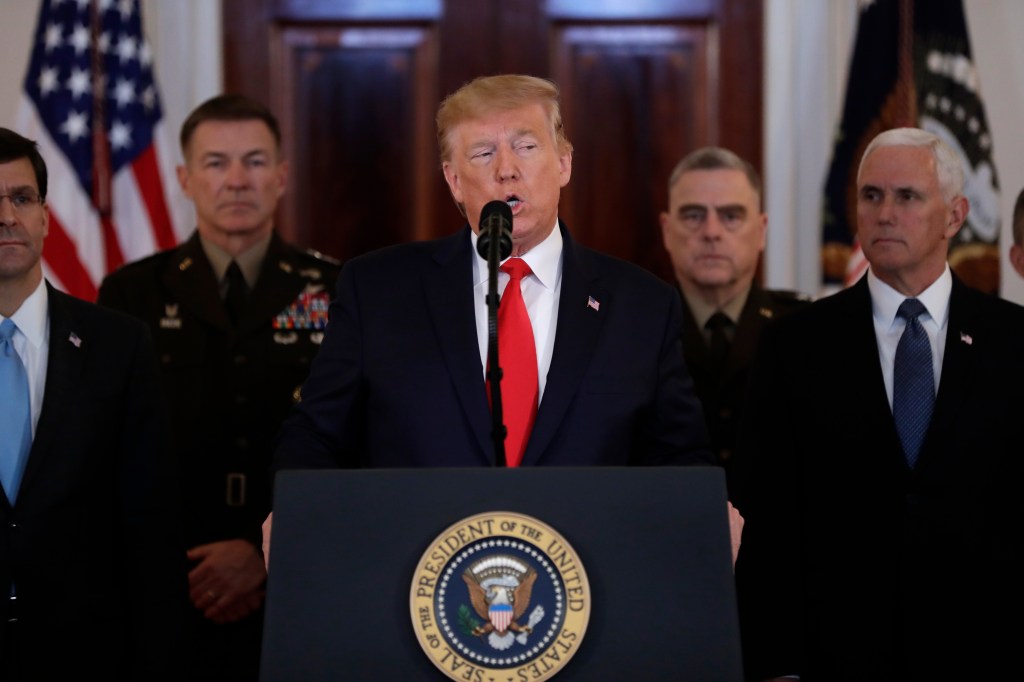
x,y
65,197
131,217
181,209
69,203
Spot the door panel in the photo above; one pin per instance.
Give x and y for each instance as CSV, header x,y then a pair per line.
x,y
354,102
356,85
635,96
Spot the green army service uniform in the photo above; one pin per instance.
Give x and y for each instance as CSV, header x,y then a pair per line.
x,y
228,388
721,391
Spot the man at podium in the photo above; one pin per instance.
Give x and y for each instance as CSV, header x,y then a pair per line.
x,y
593,371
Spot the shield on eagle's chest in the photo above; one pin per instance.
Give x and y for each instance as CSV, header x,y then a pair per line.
x,y
500,615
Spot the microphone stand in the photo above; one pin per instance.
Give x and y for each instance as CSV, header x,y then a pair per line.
x,y
494,373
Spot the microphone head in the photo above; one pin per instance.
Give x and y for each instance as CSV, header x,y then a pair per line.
x,y
495,224
496,209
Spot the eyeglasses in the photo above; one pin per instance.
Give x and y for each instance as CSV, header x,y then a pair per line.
x,y
23,200
730,218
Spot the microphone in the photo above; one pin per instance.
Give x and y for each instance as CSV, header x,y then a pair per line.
x,y
494,244
495,228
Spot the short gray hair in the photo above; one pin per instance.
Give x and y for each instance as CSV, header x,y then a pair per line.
x,y
947,164
715,158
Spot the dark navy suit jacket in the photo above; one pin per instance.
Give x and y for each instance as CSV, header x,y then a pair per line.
x,y
93,542
398,381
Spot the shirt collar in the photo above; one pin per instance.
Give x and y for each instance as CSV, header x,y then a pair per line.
x,y
885,300
702,311
249,261
543,259
31,317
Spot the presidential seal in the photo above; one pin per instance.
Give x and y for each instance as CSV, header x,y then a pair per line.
x,y
500,597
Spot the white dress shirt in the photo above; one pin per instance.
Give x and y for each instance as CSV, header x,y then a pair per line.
x,y
540,293
32,341
885,301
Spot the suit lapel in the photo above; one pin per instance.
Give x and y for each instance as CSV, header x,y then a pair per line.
x,y
756,313
190,279
958,361
64,366
861,364
448,285
279,283
576,334
695,347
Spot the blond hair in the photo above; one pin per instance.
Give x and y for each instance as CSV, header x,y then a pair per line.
x,y
494,94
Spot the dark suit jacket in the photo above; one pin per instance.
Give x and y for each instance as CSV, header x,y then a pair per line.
x,y
721,393
853,566
93,544
399,381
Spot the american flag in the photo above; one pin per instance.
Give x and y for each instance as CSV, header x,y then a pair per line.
x,y
90,101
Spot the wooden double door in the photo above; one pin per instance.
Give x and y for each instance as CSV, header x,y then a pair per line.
x,y
356,84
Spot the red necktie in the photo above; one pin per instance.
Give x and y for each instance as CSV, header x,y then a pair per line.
x,y
517,352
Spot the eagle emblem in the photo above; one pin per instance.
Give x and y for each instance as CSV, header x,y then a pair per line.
x,y
170,320
499,590
499,596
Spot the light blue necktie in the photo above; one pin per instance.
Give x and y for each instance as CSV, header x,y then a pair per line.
x,y
15,415
913,392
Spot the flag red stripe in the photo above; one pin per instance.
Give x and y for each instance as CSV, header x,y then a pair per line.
x,y
147,175
62,257
89,241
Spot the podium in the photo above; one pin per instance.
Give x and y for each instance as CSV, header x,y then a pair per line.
x,y
653,541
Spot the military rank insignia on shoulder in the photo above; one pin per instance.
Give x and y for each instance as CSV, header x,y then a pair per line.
x,y
323,256
788,295
307,311
500,597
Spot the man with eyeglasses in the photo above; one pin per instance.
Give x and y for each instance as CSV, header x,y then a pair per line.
x,y
714,232
90,549
238,315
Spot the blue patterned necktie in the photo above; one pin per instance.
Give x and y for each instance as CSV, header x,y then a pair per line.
x,y
15,416
913,393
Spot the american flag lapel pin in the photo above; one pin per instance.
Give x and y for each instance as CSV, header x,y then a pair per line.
x,y
75,341
966,338
593,303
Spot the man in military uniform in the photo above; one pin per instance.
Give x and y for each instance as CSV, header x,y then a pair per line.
x,y
714,232
238,315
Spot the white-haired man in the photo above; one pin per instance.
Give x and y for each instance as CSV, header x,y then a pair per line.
x,y
879,455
